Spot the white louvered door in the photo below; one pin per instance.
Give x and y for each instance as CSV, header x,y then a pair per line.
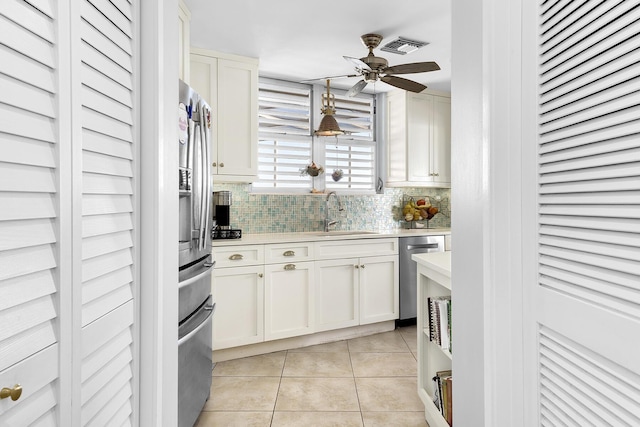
x,y
585,312
105,68
68,138
29,213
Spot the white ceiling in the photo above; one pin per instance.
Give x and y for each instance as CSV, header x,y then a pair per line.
x,y
298,40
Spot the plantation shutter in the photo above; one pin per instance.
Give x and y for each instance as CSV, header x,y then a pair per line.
x,y
29,242
353,154
587,305
106,238
284,144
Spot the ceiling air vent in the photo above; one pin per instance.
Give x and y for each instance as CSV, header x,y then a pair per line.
x,y
402,46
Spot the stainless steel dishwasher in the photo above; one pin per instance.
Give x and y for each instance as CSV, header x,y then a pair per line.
x,y
408,271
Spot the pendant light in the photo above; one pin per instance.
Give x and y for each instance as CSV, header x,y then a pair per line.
x,y
328,124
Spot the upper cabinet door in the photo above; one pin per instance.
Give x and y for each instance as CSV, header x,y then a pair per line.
x,y
184,35
230,84
419,139
237,118
441,140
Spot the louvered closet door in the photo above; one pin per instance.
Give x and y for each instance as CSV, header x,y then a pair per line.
x,y
587,295
29,221
106,85
67,211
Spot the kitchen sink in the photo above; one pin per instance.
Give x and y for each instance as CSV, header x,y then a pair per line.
x,y
342,233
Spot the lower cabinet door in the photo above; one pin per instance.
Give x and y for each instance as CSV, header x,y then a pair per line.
x,y
289,300
337,294
239,296
379,289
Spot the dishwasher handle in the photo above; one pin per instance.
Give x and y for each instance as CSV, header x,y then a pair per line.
x,y
423,246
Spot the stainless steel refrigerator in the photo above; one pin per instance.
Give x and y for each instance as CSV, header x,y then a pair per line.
x,y
195,304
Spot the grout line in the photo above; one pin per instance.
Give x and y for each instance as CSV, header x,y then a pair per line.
x,y
355,384
273,413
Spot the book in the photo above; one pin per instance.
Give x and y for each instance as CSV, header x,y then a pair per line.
x,y
436,393
443,323
438,379
448,384
439,314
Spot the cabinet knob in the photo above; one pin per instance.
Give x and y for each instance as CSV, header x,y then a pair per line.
x,y
436,174
290,267
221,165
362,266
356,266
14,393
236,257
214,164
260,275
289,253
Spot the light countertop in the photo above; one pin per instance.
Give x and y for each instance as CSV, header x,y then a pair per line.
x,y
439,262
318,236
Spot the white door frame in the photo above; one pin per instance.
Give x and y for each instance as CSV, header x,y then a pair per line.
x,y
486,216
157,348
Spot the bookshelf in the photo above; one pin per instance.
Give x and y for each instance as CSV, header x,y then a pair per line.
x,y
434,281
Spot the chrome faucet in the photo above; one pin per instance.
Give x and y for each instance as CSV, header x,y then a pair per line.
x,y
328,222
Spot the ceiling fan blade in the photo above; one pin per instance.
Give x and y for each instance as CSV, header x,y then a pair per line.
x,y
358,63
357,88
415,67
330,77
405,84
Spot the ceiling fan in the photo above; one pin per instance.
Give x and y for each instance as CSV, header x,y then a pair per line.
x,y
373,68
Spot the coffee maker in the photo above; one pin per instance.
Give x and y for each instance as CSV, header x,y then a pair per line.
x,y
221,202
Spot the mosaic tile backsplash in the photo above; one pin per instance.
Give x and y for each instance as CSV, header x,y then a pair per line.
x,y
280,213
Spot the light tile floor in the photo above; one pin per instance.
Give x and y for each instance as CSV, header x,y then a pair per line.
x,y
367,381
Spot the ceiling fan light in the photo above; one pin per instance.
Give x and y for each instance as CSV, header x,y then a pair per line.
x,y
329,127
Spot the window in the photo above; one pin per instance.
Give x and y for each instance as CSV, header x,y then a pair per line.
x,y
287,112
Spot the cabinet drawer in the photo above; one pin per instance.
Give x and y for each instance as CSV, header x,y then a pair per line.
x,y
288,252
236,256
337,249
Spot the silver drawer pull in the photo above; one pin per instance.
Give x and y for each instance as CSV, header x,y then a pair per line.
x,y
290,267
236,257
289,253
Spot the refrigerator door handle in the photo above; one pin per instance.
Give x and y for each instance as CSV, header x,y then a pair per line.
x,y
197,328
197,277
204,163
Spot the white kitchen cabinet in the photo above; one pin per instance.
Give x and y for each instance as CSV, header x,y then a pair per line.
x,y
230,84
356,291
238,256
289,300
337,294
184,36
239,296
379,289
419,139
356,282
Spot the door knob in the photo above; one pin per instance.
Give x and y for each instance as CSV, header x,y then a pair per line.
x,y
14,393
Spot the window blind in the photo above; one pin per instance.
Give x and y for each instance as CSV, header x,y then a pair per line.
x,y
284,131
286,142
